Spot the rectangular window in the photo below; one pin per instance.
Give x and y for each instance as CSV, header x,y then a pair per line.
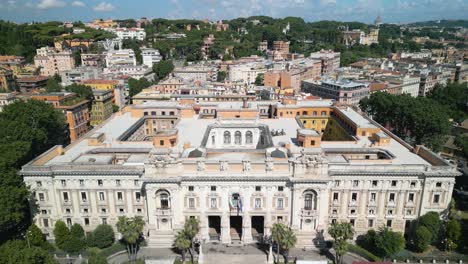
x,y
191,202
101,196
436,198
389,223
335,196
371,212
355,183
373,197
103,210
213,188
354,197
45,222
117,182
104,221
65,196
190,188
139,210
86,221
391,198
69,221
119,196
337,183
83,197
213,203
64,183
258,203
333,221
374,183
352,222
370,223
121,210
99,182
137,196
85,210
411,197
41,196
81,182
280,203
43,211
438,184
280,188
394,183
136,182
258,188
39,184
413,184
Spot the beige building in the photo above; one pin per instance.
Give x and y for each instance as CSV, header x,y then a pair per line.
x,y
239,167
52,62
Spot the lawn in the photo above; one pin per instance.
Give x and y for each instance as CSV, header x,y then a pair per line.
x,y
431,254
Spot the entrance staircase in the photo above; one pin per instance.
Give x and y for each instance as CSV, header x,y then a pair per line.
x,y
309,240
161,239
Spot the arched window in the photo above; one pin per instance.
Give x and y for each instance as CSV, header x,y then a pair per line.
x,y
310,200
227,137
164,200
248,137
238,138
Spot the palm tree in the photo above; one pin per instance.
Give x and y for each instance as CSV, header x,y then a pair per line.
x,y
185,238
182,243
131,230
287,242
341,233
277,232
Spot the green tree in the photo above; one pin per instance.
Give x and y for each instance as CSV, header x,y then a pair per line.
x,y
136,86
53,86
422,238
81,90
35,237
341,233
461,141
163,68
277,234
452,234
191,229
264,95
388,242
14,213
34,122
287,242
182,243
221,76
101,237
95,257
432,222
259,79
18,252
131,230
61,234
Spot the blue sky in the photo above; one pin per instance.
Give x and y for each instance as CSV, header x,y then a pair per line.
x,y
393,11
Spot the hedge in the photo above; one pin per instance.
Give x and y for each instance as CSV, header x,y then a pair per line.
x,y
363,253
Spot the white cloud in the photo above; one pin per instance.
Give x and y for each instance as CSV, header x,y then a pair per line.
x,y
78,3
46,4
104,7
327,2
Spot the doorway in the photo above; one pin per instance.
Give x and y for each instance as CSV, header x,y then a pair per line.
x,y
214,227
258,227
236,227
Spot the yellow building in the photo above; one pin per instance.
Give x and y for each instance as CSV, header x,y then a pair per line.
x,y
102,106
101,84
7,81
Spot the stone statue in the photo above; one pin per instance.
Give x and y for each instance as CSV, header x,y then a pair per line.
x,y
223,166
269,164
246,164
200,166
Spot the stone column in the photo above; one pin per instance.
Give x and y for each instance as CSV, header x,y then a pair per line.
x,y
246,229
295,208
268,205
225,229
204,225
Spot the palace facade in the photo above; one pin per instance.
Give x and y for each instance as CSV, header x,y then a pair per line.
x,y
239,167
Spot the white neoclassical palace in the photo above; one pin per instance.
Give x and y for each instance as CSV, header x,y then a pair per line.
x,y
239,169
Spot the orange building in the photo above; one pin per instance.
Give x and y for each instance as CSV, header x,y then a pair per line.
x,y
76,111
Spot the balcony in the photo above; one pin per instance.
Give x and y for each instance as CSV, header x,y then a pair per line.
x,y
391,203
409,204
372,203
353,203
308,212
163,211
336,203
